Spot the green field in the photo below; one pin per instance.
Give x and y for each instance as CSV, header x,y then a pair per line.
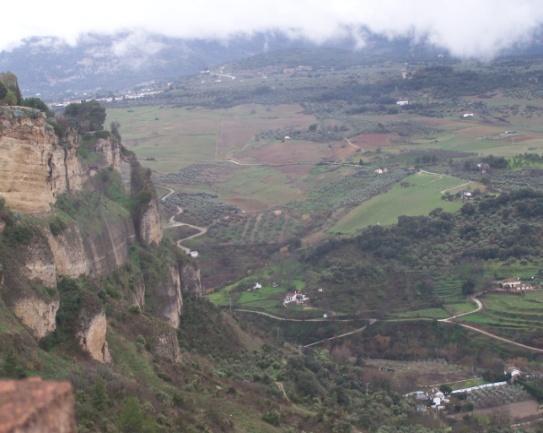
x,y
511,313
421,196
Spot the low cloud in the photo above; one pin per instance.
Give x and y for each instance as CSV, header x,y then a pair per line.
x,y
476,28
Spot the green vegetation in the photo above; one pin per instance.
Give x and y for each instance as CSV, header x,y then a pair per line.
x,y
417,194
10,94
86,116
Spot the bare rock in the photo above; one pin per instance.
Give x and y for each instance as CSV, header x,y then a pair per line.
x,y
190,280
92,338
37,314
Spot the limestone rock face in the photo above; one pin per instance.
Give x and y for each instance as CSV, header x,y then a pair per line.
x,y
37,314
39,267
167,347
170,298
98,253
92,338
111,152
190,280
150,229
138,294
34,166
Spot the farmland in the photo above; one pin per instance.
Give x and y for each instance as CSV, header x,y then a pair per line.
x,y
513,315
417,195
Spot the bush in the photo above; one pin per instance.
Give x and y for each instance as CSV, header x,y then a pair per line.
x,y
36,103
3,91
272,417
86,116
57,226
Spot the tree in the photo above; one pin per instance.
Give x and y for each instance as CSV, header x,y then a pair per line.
x,y
468,287
36,103
86,116
445,389
132,418
3,91
11,367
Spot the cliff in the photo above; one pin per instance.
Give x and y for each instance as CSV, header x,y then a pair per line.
x,y
36,166
87,216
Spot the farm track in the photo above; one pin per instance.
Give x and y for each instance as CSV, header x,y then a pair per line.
x,y
172,223
480,307
335,337
449,320
287,164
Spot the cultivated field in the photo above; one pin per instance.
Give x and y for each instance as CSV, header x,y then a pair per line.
x,y
169,138
518,315
418,194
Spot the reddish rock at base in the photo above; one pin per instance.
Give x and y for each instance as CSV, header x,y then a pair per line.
x,y
36,406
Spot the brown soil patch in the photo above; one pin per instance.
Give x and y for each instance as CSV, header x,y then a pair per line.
x,y
373,140
289,152
247,204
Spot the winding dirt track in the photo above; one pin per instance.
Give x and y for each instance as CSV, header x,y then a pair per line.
x,y
172,223
449,320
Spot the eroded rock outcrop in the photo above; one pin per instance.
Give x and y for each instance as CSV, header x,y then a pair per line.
x,y
96,253
35,167
37,314
150,230
190,280
167,346
110,149
92,337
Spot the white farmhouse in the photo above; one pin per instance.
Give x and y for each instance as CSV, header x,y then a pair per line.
x,y
295,297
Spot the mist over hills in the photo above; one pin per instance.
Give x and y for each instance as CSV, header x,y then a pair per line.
x,y
100,64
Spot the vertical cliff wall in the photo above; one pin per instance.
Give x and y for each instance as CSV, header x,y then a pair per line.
x,y
95,217
35,166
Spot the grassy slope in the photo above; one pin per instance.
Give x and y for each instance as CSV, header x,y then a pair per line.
x,y
422,196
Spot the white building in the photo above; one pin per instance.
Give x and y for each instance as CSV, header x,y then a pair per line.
x,y
295,297
468,115
402,102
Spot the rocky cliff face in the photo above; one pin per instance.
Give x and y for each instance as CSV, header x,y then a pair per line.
x,y
92,336
190,280
150,230
37,314
171,300
35,167
95,253
103,240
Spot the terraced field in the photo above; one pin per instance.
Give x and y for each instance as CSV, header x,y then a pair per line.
x,y
511,314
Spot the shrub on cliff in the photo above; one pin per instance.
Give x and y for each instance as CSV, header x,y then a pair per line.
x,y
13,93
36,103
86,116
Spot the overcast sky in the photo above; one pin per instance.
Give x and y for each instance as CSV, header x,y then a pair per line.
x,y
465,27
